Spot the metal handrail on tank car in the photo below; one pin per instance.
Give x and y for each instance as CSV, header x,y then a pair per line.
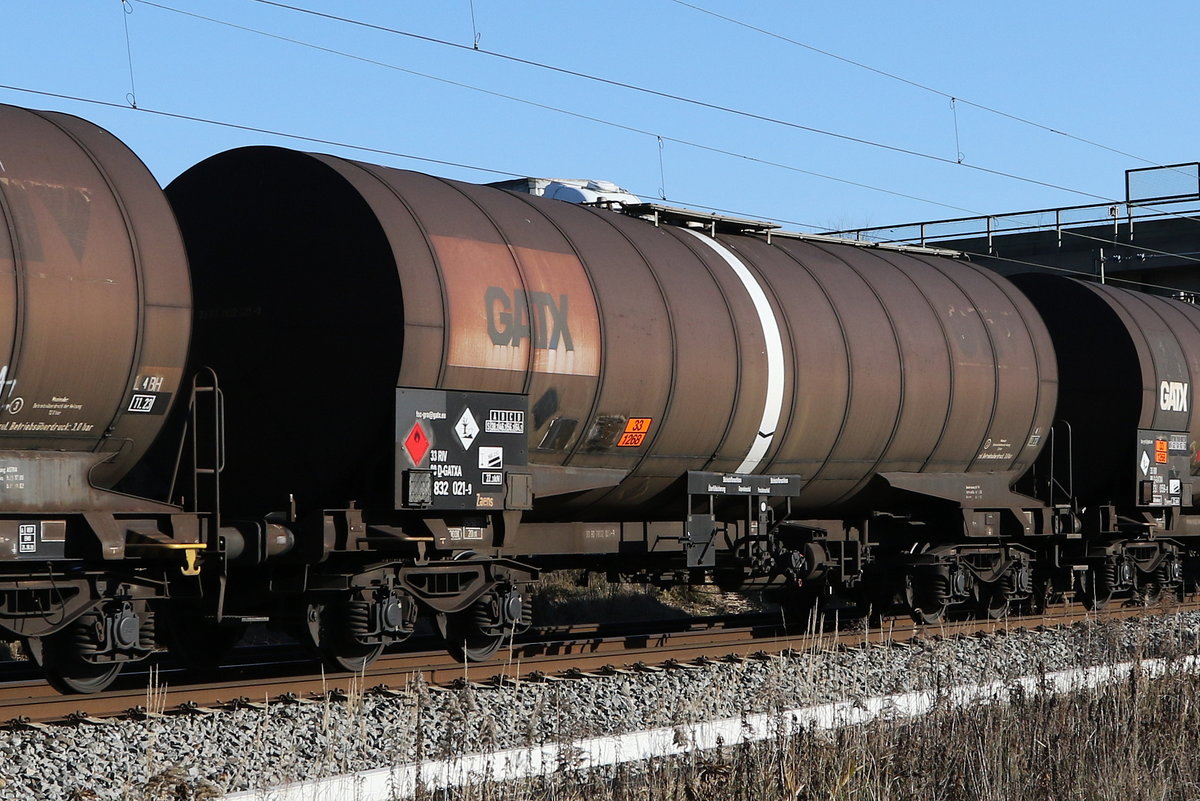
x,y
1054,482
192,435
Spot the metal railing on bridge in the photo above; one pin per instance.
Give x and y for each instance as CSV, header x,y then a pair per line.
x,y
1151,193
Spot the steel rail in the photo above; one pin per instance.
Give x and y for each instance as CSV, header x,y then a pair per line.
x,y
558,655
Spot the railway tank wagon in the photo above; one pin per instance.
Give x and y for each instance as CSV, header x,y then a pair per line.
x,y
95,315
439,387
405,396
1123,461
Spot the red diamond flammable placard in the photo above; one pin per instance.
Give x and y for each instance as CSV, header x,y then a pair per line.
x,y
417,444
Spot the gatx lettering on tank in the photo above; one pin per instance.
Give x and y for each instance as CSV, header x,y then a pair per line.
x,y
1173,396
506,308
536,316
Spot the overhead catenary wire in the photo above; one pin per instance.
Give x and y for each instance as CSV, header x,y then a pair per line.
x,y
362,148
661,195
916,84
658,137
702,104
518,174
259,130
511,173
674,97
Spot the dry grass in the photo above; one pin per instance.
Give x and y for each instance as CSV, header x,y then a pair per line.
x,y
1134,740
12,650
1131,741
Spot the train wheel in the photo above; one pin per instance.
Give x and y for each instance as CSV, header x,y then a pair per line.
x,y
927,601
1098,587
1167,578
63,658
466,639
353,657
70,674
1095,592
930,616
996,604
326,634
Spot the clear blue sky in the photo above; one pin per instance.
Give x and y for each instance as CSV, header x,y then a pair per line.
x,y
1118,75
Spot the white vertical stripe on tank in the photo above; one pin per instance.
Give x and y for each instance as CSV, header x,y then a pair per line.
x,y
773,405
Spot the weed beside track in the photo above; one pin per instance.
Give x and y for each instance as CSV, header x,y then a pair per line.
x,y
1126,741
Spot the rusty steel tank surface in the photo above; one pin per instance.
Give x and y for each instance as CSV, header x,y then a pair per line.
x,y
95,301
322,284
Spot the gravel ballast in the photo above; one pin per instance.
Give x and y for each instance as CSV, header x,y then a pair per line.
x,y
205,755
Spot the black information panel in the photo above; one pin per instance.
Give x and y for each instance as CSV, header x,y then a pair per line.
x,y
453,449
700,483
1164,461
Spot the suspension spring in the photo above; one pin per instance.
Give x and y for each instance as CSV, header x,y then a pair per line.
x,y
146,630
358,618
939,588
86,634
485,613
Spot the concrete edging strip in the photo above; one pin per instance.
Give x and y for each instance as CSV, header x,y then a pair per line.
x,y
384,784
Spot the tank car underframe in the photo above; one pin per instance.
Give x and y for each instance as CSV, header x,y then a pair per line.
x,y
1142,570
80,589
366,585
56,568
946,556
349,610
350,589
943,553
82,621
350,582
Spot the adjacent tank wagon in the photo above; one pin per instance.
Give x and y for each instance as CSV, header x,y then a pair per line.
x,y
95,300
1127,436
95,317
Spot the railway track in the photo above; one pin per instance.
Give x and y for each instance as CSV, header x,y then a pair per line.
x,y
563,654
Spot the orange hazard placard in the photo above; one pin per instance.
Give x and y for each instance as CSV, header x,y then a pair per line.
x,y
1160,451
635,432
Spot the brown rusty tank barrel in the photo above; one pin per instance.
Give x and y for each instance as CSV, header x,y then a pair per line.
x,y
1129,361
333,281
95,303
904,363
